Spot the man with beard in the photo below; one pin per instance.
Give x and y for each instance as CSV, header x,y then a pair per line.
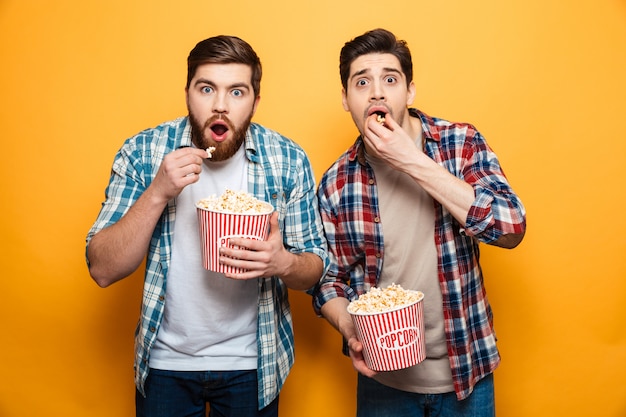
x,y
205,337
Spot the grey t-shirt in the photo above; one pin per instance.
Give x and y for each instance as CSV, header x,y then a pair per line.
x,y
410,260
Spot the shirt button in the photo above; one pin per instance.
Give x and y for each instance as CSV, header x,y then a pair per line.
x,y
378,255
371,181
152,329
161,297
377,219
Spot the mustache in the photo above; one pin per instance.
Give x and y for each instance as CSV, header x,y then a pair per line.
x,y
378,104
221,117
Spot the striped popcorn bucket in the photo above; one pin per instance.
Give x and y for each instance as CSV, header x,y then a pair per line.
x,y
393,339
216,229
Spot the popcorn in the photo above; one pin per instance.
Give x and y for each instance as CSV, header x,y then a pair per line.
x,y
239,202
390,324
377,300
210,151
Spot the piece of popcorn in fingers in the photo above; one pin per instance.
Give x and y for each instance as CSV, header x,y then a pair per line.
x,y
210,151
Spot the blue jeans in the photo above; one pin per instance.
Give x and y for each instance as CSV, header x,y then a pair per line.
x,y
186,394
378,400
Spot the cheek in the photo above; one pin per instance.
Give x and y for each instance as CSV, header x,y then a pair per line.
x,y
355,104
199,104
359,123
241,111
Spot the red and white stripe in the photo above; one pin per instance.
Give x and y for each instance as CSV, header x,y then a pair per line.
x,y
217,227
394,339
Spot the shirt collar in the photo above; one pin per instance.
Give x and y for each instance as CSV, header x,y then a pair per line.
x,y
428,125
250,144
185,138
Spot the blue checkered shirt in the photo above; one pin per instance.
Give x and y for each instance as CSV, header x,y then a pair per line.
x,y
279,172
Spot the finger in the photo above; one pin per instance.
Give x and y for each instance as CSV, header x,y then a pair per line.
x,y
247,269
373,121
390,123
274,227
189,162
239,245
382,130
243,275
188,150
362,368
189,156
190,170
259,245
355,345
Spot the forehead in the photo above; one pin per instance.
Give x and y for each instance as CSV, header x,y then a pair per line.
x,y
375,64
223,74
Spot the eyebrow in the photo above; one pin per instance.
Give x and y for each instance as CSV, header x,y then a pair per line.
x,y
212,84
366,70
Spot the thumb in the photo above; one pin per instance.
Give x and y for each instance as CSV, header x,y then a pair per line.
x,y
390,123
274,228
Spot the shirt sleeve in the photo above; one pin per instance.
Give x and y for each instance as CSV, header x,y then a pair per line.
x,y
303,231
342,269
496,210
126,184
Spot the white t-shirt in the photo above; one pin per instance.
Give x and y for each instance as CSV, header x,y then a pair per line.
x,y
210,321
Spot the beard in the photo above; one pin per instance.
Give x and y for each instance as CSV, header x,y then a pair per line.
x,y
225,149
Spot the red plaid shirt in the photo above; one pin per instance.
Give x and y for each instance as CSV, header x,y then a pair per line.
x,y
349,207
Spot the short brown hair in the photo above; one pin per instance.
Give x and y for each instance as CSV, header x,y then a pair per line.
x,y
225,49
375,41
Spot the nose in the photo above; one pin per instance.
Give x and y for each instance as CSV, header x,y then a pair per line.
x,y
377,93
219,104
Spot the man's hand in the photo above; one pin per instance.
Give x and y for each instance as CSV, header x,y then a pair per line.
x,y
402,150
118,250
335,311
358,361
391,143
178,169
270,258
259,258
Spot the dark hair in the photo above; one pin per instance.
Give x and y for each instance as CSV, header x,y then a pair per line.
x,y
224,49
375,41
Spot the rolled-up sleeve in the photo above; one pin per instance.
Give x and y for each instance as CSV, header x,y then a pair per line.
x,y
497,210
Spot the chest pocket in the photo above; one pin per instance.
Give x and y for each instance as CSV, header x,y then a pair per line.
x,y
276,185
277,197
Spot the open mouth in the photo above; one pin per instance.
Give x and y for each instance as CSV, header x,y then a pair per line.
x,y
380,116
380,111
219,129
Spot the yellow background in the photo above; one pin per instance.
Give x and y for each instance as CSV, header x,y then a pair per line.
x,y
543,80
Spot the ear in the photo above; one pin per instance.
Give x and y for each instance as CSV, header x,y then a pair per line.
x,y
410,96
344,100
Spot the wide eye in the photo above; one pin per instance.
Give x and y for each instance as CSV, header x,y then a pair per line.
x,y
206,89
361,83
237,93
390,80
